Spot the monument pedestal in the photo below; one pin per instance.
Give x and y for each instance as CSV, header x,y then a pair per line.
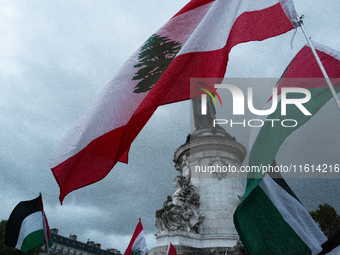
x,y
209,164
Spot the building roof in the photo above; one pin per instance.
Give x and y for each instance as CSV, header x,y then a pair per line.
x,y
79,245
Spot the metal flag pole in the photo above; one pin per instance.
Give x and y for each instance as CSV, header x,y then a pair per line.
x,y
44,226
319,63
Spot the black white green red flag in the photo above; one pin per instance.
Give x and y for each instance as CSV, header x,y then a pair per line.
x,y
137,245
27,227
193,43
269,220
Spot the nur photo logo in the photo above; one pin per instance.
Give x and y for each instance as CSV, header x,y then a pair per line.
x,y
204,97
281,101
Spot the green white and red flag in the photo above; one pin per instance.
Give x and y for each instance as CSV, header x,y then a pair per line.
x,y
137,245
27,227
194,43
270,220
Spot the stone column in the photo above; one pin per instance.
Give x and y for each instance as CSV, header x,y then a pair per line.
x,y
210,160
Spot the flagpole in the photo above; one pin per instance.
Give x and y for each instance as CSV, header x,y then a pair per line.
x,y
44,227
319,63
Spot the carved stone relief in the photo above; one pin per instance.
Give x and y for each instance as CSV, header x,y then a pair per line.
x,y
180,210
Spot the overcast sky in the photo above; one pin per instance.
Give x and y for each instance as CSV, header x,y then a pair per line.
x,y
56,56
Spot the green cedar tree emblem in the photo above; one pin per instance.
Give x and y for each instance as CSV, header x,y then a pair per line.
x,y
136,252
154,57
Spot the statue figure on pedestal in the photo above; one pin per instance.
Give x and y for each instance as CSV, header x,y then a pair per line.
x,y
203,121
180,210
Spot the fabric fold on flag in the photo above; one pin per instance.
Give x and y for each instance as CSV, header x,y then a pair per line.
x,y
27,226
268,220
193,43
137,244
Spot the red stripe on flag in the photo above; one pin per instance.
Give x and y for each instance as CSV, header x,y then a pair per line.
x,y
125,157
304,65
78,170
256,24
192,5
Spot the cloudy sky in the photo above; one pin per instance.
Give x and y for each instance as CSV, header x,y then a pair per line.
x,y
55,58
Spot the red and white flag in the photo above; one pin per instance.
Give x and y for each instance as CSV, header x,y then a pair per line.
x,y
171,250
137,245
193,43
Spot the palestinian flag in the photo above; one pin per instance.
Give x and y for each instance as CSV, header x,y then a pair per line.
x,y
269,220
194,43
27,227
302,72
137,245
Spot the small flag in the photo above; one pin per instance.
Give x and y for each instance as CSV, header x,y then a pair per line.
x,y
194,43
270,220
137,245
171,250
27,226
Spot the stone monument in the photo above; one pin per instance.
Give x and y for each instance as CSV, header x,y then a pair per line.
x,y
198,217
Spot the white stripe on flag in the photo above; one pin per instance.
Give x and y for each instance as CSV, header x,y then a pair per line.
x,y
140,244
219,33
31,223
294,214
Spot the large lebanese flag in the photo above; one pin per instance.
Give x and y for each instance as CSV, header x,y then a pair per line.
x,y
193,43
269,219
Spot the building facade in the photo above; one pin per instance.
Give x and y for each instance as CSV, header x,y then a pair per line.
x,y
70,246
